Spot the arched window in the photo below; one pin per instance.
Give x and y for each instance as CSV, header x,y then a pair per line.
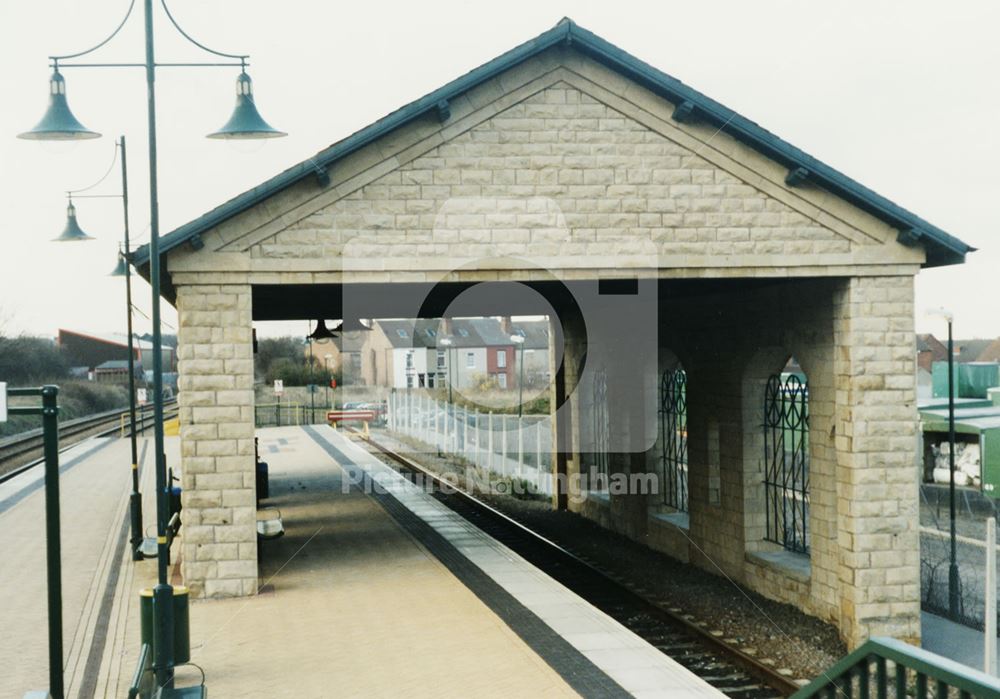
x,y
600,472
673,438
786,458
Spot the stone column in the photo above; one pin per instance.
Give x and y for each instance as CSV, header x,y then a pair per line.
x,y
219,536
877,474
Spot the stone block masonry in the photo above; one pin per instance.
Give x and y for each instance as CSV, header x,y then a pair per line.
x,y
215,358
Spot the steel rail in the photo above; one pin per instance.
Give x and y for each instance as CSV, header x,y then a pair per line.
x,y
82,427
751,665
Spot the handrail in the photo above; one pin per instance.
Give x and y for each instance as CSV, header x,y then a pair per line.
x,y
135,690
927,666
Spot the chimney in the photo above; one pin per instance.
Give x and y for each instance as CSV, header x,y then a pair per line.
x,y
506,327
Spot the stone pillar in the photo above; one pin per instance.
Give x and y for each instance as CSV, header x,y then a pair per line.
x,y
219,536
566,466
877,474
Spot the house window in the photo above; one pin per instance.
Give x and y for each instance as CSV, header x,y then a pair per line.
x,y
430,332
463,332
440,359
470,360
401,333
501,359
502,380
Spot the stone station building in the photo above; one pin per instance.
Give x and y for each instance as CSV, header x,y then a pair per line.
x,y
653,226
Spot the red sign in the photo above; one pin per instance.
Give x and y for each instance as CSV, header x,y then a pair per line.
x,y
333,383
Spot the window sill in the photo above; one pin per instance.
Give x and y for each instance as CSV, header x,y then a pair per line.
x,y
794,565
679,520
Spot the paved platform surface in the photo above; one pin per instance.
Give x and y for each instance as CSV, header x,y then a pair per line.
x,y
955,641
95,482
367,595
351,606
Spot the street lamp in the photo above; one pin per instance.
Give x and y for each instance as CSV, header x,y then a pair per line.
x,y
72,233
953,567
519,340
58,123
448,343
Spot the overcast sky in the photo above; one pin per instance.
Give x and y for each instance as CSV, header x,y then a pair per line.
x,y
901,96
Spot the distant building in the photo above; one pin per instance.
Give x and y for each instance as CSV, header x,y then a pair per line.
x,y
91,350
410,353
930,350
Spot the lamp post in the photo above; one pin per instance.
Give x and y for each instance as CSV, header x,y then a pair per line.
x,y
58,123
73,233
519,340
326,364
448,343
953,580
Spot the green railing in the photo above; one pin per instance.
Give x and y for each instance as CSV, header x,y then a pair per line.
x,y
886,667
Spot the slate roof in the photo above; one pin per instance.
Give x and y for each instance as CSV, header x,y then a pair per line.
x,y
942,248
970,350
465,332
991,353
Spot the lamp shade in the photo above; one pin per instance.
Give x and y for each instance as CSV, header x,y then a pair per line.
x,y
246,121
321,332
72,232
121,268
353,324
58,123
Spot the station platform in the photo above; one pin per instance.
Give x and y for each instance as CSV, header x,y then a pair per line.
x,y
372,591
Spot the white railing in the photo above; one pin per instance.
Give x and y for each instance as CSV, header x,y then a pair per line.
x,y
518,448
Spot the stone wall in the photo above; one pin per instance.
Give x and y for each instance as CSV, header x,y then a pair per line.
x,y
854,340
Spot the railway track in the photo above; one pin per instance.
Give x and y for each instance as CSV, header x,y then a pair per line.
x,y
727,669
21,452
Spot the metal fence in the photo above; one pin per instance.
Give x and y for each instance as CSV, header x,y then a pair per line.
x,y
519,448
279,414
970,552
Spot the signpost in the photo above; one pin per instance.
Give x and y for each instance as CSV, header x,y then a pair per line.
x,y
279,389
140,395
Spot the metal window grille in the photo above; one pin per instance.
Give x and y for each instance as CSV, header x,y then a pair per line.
x,y
786,459
673,437
602,432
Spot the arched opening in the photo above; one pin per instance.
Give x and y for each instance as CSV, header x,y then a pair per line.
x,y
786,458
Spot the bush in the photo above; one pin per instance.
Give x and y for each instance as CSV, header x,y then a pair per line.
x,y
26,361
76,399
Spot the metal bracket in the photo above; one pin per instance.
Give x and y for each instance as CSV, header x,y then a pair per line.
x,y
443,111
684,112
196,242
322,176
909,237
796,176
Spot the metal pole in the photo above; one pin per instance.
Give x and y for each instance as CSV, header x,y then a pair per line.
x,y
953,568
451,378
163,603
520,384
489,443
990,626
326,362
312,385
53,553
135,499
520,446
